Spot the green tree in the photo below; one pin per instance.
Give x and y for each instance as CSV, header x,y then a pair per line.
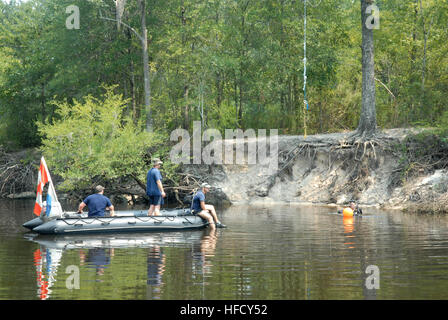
x,y
90,141
367,123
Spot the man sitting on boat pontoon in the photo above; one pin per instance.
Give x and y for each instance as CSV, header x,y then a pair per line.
x,y
97,203
206,211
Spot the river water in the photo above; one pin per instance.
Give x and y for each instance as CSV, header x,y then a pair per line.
x,y
283,252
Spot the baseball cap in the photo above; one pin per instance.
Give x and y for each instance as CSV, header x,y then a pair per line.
x,y
156,161
205,185
99,188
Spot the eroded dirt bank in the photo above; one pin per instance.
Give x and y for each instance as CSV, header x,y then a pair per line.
x,y
393,171
327,169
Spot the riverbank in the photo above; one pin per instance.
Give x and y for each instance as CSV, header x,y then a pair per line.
x,y
399,169
335,168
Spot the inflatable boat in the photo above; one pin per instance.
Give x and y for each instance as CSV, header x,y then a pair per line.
x,y
132,222
51,219
33,223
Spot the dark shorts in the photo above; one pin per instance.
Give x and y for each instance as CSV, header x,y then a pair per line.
x,y
156,200
196,212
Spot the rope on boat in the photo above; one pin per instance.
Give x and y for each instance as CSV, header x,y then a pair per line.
x,y
87,222
170,218
142,219
76,221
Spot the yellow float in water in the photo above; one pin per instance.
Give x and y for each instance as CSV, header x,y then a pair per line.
x,y
347,212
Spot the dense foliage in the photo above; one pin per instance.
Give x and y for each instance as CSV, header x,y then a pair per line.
x,y
239,61
91,141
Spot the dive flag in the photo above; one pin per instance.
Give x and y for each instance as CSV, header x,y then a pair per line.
x,y
53,206
43,178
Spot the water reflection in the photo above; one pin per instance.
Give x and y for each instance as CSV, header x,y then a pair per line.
x,y
123,240
202,258
97,258
97,252
156,268
266,253
46,262
349,232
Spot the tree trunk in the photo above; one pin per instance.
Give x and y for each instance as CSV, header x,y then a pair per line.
x,y
240,110
43,101
219,89
235,97
186,112
149,122
132,81
367,122
426,31
134,105
186,118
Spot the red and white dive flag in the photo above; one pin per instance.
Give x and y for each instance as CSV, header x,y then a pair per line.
x,y
52,207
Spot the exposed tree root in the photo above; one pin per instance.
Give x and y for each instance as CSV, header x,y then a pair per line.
x,y
359,145
355,154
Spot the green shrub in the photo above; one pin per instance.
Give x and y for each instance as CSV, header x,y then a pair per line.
x,y
93,141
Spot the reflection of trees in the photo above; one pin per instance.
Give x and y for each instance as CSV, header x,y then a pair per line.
x,y
363,245
286,253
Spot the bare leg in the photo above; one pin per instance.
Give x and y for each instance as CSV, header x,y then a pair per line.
x,y
151,210
211,209
157,210
206,215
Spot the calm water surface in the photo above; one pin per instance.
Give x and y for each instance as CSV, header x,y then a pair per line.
x,y
286,252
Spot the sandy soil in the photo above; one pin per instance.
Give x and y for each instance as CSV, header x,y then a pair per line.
x,y
319,169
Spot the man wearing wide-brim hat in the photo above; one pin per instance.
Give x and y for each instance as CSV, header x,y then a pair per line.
x,y
154,188
205,211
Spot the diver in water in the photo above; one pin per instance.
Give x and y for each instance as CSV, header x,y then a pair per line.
x,y
357,211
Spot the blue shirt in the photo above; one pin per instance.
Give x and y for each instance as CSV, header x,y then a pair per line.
x,y
151,182
97,203
196,203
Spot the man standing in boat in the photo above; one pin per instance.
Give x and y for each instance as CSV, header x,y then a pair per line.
x,y
154,188
97,203
205,211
